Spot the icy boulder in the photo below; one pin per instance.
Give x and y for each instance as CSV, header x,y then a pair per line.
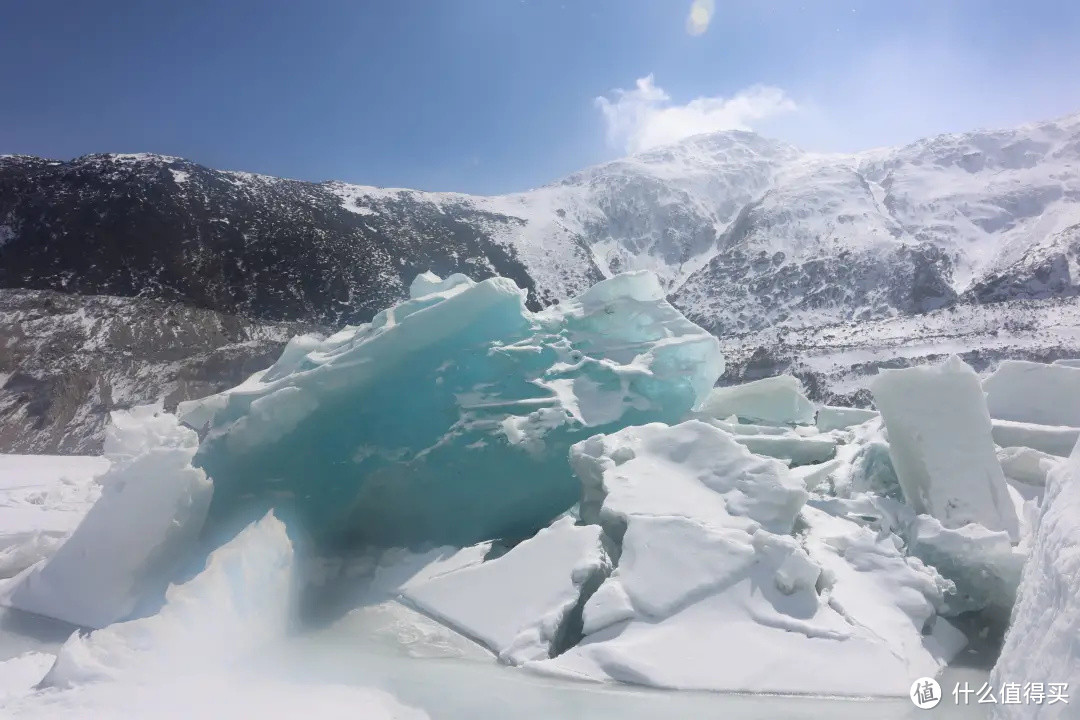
x,y
1033,392
239,601
1041,643
448,418
520,605
712,591
778,400
941,445
152,508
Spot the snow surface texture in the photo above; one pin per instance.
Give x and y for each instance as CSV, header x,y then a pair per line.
x,y
941,443
456,394
712,591
42,500
152,507
528,594
1041,643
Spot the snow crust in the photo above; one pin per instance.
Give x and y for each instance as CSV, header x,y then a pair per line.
x,y
1040,645
151,510
449,416
941,444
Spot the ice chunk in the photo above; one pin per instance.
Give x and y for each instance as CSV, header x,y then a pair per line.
x,y
1053,439
793,448
711,592
690,470
830,417
1027,465
1068,362
152,507
1033,392
984,565
519,605
448,418
240,600
798,446
941,445
1040,644
42,500
778,400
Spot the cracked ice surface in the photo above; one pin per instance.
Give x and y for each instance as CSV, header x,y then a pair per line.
x,y
449,416
712,591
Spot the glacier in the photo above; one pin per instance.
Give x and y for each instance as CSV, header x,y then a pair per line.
x,y
564,492
447,419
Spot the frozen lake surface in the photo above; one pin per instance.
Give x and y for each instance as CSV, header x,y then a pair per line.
x,y
479,689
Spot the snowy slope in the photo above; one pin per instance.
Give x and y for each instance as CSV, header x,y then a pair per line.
x,y
744,231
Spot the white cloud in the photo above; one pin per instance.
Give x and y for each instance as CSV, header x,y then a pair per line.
x,y
701,13
645,117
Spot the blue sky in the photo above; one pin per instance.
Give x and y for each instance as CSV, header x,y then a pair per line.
x,y
500,95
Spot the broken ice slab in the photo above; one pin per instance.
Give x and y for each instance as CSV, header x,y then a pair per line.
x,y
941,445
793,448
984,565
712,592
151,511
830,417
524,605
240,600
1027,465
778,400
448,418
1041,639
1033,392
1052,439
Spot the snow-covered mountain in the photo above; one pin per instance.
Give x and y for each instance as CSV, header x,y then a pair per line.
x,y
745,232
753,239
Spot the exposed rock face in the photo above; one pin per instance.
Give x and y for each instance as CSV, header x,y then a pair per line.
x,y
67,360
